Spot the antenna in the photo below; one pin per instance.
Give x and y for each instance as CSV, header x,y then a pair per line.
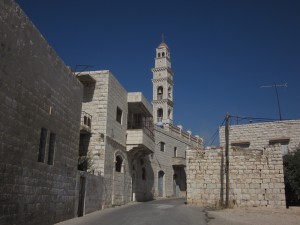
x,y
275,86
83,68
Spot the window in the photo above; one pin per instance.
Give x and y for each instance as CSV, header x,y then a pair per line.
x,y
162,146
162,54
158,55
284,144
240,144
51,148
119,115
175,151
42,147
160,91
159,114
119,162
143,173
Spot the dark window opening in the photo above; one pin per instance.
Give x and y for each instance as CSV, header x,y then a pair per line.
x,y
119,115
160,92
143,173
119,162
162,146
175,151
158,55
160,114
51,148
162,54
42,147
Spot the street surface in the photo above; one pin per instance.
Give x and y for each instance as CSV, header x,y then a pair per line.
x,y
159,212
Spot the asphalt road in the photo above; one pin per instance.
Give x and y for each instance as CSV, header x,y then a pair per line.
x,y
159,212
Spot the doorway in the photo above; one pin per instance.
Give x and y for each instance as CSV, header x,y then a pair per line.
x,y
161,175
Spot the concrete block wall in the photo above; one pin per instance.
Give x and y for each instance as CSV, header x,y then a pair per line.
x,y
256,177
259,134
37,91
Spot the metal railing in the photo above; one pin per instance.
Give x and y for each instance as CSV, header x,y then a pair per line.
x,y
86,119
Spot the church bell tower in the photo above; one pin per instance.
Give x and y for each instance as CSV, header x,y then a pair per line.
x,y
162,86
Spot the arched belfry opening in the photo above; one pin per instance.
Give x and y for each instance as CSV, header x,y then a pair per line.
x,y
160,113
160,92
119,163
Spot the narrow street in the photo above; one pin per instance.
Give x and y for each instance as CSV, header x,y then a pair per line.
x,y
159,212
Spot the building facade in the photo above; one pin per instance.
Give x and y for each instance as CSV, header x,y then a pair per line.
x,y
259,135
118,136
171,142
40,107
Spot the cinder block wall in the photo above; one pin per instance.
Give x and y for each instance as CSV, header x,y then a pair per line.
x,y
256,177
36,91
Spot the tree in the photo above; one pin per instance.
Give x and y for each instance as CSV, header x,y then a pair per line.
x,y
291,166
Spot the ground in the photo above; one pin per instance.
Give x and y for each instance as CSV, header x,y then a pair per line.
x,y
257,216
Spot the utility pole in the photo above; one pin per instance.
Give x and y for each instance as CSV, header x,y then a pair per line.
x,y
227,159
275,86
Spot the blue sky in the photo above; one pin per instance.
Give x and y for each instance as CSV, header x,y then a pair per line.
x,y
222,51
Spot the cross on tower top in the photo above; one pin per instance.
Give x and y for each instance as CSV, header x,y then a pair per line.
x,y
163,38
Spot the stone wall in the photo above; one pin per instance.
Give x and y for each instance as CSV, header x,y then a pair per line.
x,y
260,134
256,177
163,161
36,91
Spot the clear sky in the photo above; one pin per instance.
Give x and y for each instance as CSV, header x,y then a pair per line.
x,y
222,51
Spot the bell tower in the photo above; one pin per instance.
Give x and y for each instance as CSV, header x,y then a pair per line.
x,y
162,86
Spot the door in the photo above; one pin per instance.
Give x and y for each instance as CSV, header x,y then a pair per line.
x,y
161,183
81,196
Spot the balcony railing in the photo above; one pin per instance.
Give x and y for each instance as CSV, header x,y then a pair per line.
x,y
86,121
147,128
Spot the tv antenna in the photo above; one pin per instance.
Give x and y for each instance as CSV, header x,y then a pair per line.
x,y
276,86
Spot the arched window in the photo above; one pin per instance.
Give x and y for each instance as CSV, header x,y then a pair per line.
x,y
170,92
160,113
158,55
160,91
169,114
119,163
143,173
162,54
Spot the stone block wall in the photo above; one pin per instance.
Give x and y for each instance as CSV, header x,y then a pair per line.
x,y
162,161
37,91
259,134
256,177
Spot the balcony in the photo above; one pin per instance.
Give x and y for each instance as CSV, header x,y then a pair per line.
x,y
178,161
86,123
140,129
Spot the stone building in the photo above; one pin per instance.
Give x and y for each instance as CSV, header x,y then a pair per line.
x,y
40,108
258,135
171,142
117,133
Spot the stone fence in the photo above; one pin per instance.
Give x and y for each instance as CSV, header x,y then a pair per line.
x,y
256,177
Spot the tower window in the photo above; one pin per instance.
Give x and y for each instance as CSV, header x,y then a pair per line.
x,y
160,91
163,54
119,115
169,114
160,113
162,146
119,163
175,151
170,92
158,55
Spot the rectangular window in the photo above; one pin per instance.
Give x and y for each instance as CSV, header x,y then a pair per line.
x,y
42,147
175,151
51,148
162,146
119,115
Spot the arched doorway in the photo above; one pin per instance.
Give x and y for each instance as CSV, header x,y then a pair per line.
x,y
160,183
